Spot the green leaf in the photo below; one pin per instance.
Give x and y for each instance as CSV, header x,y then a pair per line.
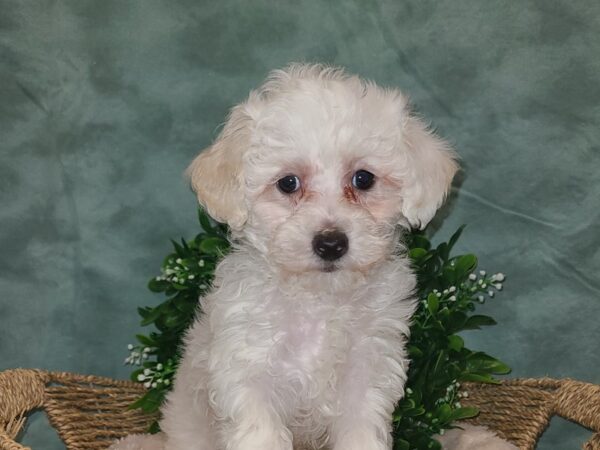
x,y
465,412
481,378
213,245
414,412
477,321
154,427
151,316
479,361
455,237
417,254
204,221
401,444
443,413
464,265
455,343
150,402
157,285
414,352
185,305
433,303
443,251
178,249
144,340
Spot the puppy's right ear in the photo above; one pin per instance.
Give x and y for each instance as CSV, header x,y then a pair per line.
x,y
216,174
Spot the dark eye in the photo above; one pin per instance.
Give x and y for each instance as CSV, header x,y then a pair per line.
x,y
363,179
288,184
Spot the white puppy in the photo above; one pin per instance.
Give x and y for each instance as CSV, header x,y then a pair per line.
x,y
301,343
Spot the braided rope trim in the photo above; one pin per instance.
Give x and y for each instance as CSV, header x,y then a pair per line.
x,y
520,410
89,412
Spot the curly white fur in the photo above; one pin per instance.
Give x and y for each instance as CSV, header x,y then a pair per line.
x,y
292,351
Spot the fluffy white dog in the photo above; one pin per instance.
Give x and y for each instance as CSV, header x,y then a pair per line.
x,y
301,343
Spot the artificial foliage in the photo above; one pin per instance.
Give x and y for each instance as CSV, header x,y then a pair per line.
x,y
449,288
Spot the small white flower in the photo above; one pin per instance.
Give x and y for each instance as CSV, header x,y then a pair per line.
x,y
480,282
202,286
154,385
147,385
167,382
158,278
498,286
126,360
146,371
435,291
442,431
191,277
491,293
129,347
178,260
482,273
445,291
472,277
169,272
159,366
409,391
141,377
499,276
484,285
465,394
146,349
439,294
480,298
452,289
453,298
201,263
457,405
145,356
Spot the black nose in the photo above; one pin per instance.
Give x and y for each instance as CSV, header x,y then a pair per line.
x,y
330,245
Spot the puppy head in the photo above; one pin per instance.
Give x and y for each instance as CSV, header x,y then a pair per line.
x,y
317,169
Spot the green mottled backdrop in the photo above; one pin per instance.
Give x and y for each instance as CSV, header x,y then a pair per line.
x,y
103,104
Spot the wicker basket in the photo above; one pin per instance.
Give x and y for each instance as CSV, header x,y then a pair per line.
x,y
89,412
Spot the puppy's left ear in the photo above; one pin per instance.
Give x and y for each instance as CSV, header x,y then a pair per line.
x,y
216,174
431,167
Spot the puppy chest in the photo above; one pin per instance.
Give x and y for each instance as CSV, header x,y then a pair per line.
x,y
308,349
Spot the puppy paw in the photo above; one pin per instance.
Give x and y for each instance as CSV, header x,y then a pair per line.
x,y
140,442
473,438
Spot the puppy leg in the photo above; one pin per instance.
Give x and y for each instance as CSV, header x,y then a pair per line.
x,y
250,420
187,416
140,442
372,383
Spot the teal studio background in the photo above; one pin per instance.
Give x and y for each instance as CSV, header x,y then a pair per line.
x,y
104,103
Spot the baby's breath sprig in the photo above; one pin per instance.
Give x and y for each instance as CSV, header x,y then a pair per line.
x,y
137,354
155,374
